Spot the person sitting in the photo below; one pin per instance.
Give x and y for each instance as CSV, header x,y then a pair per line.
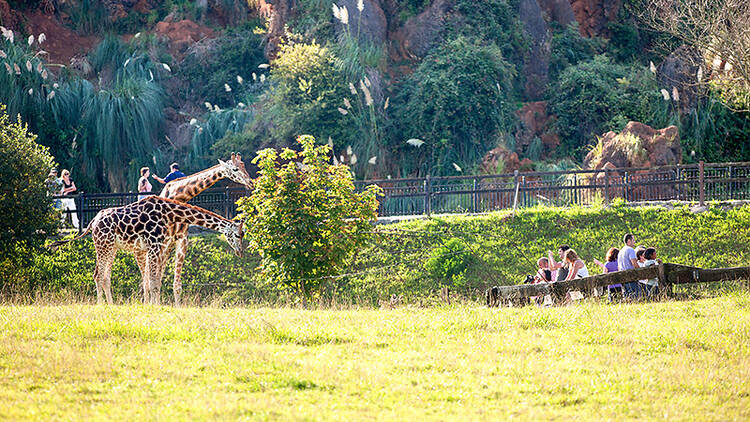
x,y
650,286
562,271
543,273
576,266
611,267
175,173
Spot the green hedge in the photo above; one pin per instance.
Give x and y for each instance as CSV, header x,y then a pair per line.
x,y
417,258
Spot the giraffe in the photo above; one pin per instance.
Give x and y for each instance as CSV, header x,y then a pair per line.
x,y
147,228
186,188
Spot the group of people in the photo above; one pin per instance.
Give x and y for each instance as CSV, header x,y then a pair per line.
x,y
628,257
65,186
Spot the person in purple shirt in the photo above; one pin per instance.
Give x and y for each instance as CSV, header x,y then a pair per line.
x,y
611,267
626,260
175,173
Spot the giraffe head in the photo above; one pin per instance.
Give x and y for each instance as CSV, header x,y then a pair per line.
x,y
235,170
234,234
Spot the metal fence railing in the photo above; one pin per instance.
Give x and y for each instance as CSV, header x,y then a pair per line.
x,y
475,194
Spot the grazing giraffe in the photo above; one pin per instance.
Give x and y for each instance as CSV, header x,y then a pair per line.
x,y
186,188
147,228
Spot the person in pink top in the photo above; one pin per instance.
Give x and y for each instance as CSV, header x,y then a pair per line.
x,y
144,186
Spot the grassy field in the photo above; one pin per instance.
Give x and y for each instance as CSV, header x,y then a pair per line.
x,y
675,360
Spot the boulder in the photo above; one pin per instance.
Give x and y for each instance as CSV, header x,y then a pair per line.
x,y
182,34
370,25
536,62
558,11
594,15
422,32
536,123
637,145
501,160
679,71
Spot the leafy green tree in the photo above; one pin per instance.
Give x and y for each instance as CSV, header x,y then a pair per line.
x,y
598,95
304,217
456,100
307,88
28,216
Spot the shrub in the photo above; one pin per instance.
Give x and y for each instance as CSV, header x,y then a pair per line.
x,y
569,47
210,64
306,89
455,101
27,211
304,217
598,95
449,263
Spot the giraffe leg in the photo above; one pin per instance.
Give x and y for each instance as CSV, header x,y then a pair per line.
x,y
155,270
102,274
140,259
179,260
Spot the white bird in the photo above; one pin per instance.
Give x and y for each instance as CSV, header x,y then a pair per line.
x,y
353,159
166,67
193,121
348,150
227,88
31,39
41,38
415,142
456,166
239,79
264,66
373,160
652,68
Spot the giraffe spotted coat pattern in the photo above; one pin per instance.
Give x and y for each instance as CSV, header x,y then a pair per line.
x,y
186,188
147,228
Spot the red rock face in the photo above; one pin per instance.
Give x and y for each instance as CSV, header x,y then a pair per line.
x,y
657,148
62,43
594,15
9,18
536,123
182,34
500,160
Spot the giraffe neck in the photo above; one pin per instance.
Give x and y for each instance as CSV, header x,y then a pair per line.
x,y
189,187
203,218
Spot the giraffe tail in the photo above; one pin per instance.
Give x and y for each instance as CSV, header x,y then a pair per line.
x,y
56,244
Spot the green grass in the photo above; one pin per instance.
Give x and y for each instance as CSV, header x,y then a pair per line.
x,y
672,360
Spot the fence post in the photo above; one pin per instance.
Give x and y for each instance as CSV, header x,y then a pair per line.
x,y
427,189
625,189
575,189
665,287
606,186
79,211
474,196
226,202
702,184
515,196
525,197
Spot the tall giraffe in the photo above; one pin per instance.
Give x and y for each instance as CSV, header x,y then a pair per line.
x,y
147,228
186,188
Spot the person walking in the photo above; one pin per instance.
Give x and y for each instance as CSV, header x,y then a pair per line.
x,y
626,260
69,204
174,173
144,186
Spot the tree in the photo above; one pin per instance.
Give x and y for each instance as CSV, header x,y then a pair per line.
x,y
304,217
27,213
716,28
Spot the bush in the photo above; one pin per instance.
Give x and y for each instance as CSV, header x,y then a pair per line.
x,y
569,47
304,217
28,216
598,95
211,64
455,101
306,89
450,262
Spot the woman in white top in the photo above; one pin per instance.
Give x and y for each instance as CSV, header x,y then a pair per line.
x,y
576,266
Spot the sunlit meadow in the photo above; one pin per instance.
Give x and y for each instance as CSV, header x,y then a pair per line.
x,y
669,360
